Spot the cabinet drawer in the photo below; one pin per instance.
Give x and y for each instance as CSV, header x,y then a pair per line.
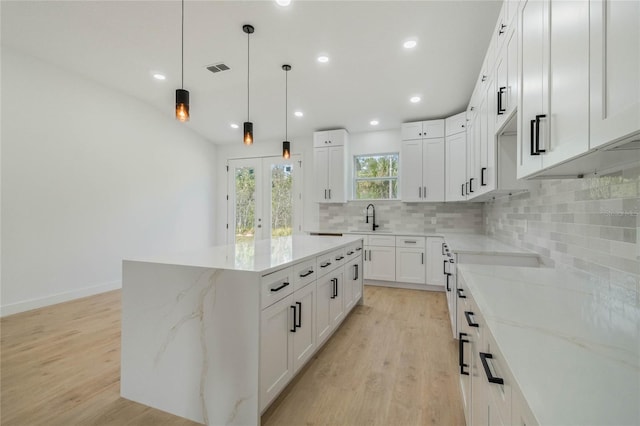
x,y
275,286
329,261
304,273
499,393
382,240
411,242
353,250
339,257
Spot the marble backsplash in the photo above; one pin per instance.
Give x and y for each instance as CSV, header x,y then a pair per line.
x,y
403,217
589,224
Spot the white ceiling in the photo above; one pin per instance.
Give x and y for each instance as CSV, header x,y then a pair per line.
x,y
370,75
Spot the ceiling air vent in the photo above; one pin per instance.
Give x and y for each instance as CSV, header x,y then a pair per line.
x,y
217,68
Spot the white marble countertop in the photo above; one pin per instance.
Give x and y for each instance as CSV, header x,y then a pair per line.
x,y
482,244
571,342
259,256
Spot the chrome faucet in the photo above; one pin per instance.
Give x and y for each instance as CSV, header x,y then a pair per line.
x,y
373,216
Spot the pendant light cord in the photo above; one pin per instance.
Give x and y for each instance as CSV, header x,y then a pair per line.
x,y
248,64
182,52
286,105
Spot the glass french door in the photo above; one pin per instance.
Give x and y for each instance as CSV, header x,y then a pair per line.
x,y
264,198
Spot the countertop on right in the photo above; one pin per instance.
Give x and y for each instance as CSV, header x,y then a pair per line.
x,y
482,244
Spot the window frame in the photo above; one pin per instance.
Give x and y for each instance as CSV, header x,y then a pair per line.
x,y
356,179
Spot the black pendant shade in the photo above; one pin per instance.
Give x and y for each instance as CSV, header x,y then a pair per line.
x,y
286,149
182,105
286,145
248,133
248,125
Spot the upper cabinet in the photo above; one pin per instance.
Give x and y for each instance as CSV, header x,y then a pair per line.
x,y
615,71
325,138
331,163
456,124
422,162
423,130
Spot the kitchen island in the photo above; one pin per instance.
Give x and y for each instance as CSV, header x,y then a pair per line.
x,y
214,335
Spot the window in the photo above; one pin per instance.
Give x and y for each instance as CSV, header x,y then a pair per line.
x,y
376,177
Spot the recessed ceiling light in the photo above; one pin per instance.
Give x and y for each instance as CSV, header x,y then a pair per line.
x,y
410,44
234,126
323,59
158,76
298,113
283,2
374,122
415,99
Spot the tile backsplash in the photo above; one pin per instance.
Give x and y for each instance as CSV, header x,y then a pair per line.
x,y
403,217
590,224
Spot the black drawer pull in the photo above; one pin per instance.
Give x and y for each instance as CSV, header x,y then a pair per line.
x,y
485,364
349,253
356,271
443,249
324,265
358,248
444,267
538,117
333,288
339,258
410,242
293,330
467,315
309,272
448,289
460,295
461,353
299,321
280,288
471,185
482,182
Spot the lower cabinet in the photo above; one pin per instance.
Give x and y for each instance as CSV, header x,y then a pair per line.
x,y
436,256
304,331
352,283
380,263
410,265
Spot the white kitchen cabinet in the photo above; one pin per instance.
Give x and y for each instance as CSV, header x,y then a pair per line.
x,y
422,174
276,350
435,261
352,283
422,130
330,305
456,124
456,166
506,78
554,83
330,166
338,137
411,260
380,263
614,67
304,336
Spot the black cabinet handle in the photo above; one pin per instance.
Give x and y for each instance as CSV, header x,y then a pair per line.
x,y
422,257
500,92
339,258
356,271
444,267
329,193
324,265
293,330
309,272
467,315
462,189
349,253
365,255
336,287
333,288
490,377
325,192
538,117
443,249
448,289
460,295
358,248
501,30
533,139
461,353
299,322
410,242
280,288
482,182
466,188
471,184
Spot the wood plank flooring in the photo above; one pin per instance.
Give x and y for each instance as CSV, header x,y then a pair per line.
x,y
392,362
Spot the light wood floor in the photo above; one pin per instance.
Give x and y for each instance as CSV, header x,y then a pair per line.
x,y
392,362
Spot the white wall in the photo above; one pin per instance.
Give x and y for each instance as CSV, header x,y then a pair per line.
x,y
91,176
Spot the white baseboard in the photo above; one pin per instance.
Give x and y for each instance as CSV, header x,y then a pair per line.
x,y
407,286
40,302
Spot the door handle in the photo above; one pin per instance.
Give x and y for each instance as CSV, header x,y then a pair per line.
x,y
356,271
471,184
533,139
470,322
482,182
538,117
293,330
299,322
419,192
460,293
485,364
501,91
461,353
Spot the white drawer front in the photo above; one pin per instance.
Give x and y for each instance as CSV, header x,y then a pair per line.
x,y
410,242
275,286
354,250
501,393
382,240
304,273
327,262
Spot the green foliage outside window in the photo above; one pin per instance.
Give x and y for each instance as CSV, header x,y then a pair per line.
x,y
376,177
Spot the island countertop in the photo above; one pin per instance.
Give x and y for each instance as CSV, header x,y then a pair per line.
x,y
256,256
571,341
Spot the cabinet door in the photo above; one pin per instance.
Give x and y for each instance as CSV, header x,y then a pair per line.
x,y
566,129
411,131
433,129
276,356
473,149
352,284
410,265
510,101
456,124
336,175
336,305
435,261
615,67
479,386
337,137
501,87
380,263
320,139
321,171
456,166
487,172
411,170
433,170
532,29
304,338
323,312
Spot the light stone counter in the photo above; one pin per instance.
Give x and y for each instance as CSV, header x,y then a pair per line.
x,y
571,342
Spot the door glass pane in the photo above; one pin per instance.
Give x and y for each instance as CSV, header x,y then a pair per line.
x,y
245,208
281,200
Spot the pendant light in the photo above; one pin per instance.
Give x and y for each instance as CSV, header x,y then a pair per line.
x,y
286,145
182,96
248,125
